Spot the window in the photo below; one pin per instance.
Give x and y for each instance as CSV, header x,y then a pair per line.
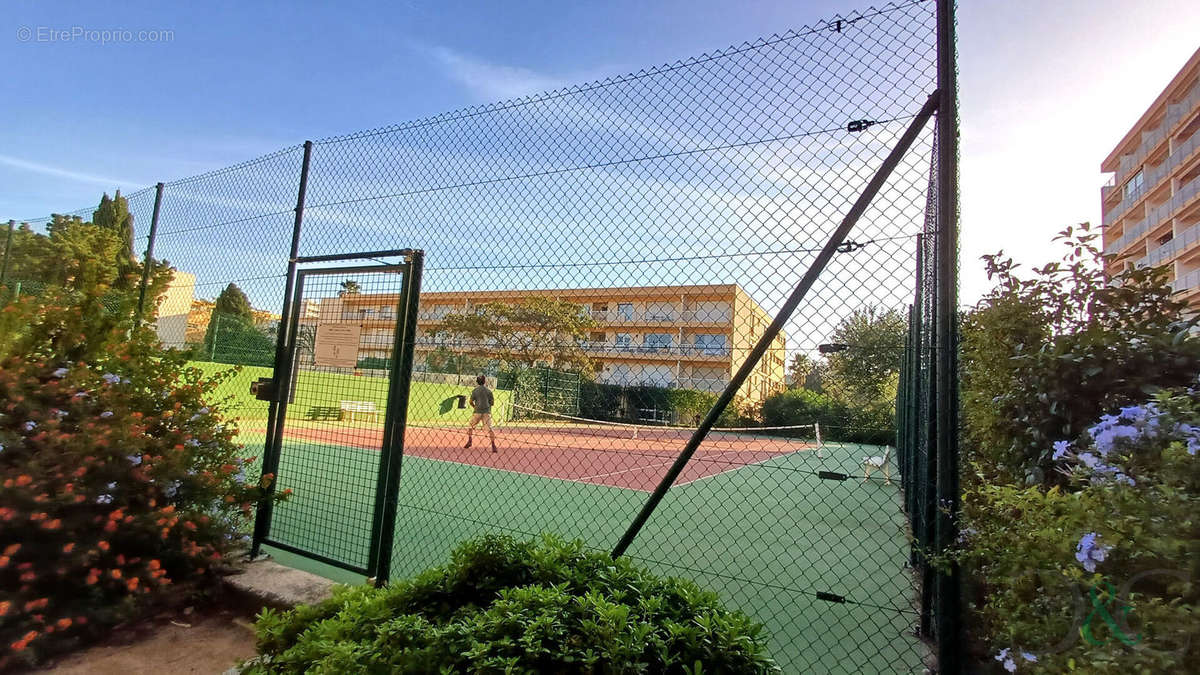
x,y
657,341
660,311
624,340
625,311
1135,185
713,345
597,337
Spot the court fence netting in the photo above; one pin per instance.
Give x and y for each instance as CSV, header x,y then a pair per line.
x,y
729,283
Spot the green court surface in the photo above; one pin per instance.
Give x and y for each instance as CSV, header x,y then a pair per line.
x,y
428,401
767,537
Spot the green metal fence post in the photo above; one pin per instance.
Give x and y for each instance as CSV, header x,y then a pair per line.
x,y
7,250
148,260
948,622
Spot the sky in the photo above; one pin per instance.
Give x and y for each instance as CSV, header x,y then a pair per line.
x,y
1046,89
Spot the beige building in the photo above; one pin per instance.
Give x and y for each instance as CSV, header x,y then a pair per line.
x,y
1151,205
690,337
174,306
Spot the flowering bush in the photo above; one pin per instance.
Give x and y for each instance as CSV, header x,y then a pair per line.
x,y
120,478
1045,356
1097,574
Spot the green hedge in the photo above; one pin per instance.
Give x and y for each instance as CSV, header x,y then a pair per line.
x,y
874,423
505,606
621,403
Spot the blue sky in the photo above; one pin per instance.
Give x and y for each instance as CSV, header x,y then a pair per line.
x,y
1047,88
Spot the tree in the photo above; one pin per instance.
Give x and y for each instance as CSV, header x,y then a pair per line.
x,y
86,258
349,287
535,330
114,214
231,335
867,370
806,373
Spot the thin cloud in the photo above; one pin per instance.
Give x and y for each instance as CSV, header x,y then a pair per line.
x,y
497,81
48,170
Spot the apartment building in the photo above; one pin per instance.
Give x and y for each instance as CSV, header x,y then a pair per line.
x,y
690,337
1151,205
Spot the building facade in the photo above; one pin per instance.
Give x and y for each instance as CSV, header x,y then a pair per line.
x,y
690,337
1151,205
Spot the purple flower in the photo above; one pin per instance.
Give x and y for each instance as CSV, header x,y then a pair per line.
x,y
104,499
1089,460
111,486
1029,657
1107,437
80,394
1088,553
106,414
135,460
1006,660
1,447
172,489
111,379
1135,413
59,413
1060,449
30,425
60,373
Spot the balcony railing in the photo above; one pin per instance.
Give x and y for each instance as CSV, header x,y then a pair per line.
x,y
1155,175
1151,139
1188,237
674,316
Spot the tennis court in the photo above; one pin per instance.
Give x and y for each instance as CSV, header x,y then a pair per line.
x,y
749,507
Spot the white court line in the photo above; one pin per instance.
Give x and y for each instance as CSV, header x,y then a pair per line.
x,y
738,468
636,468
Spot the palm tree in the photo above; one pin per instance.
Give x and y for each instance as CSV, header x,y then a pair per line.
x,y
349,287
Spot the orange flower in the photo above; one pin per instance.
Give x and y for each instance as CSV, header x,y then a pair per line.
x,y
116,515
110,526
103,545
79,498
165,532
189,525
116,574
69,547
92,577
63,623
120,559
28,576
154,564
168,509
4,605
11,549
132,584
23,480
3,561
53,524
78,473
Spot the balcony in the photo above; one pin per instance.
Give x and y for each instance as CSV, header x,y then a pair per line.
x,y
1151,139
690,352
1186,239
672,317
1154,176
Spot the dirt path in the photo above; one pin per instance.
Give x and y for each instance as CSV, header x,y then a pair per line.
x,y
210,642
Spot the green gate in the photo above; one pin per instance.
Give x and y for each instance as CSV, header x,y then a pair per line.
x,y
329,417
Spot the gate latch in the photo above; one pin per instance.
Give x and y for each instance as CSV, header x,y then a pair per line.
x,y
263,389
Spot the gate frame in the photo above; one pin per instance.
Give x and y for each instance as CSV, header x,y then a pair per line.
x,y
395,410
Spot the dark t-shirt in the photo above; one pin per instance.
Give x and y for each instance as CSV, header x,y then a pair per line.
x,y
482,399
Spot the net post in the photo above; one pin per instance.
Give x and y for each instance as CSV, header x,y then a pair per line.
x,y
820,444
764,342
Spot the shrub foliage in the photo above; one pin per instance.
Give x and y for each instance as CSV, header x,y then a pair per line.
x,y
505,606
120,477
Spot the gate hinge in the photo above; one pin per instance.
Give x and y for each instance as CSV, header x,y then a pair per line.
x,y
848,246
855,126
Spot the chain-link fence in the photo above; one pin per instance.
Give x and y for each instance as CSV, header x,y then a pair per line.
x,y
751,243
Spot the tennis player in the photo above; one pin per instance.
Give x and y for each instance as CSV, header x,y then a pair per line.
x,y
481,402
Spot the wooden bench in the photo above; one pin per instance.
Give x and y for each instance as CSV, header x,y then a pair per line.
x,y
321,412
351,408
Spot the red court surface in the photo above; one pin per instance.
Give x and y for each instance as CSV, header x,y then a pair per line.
x,y
567,453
